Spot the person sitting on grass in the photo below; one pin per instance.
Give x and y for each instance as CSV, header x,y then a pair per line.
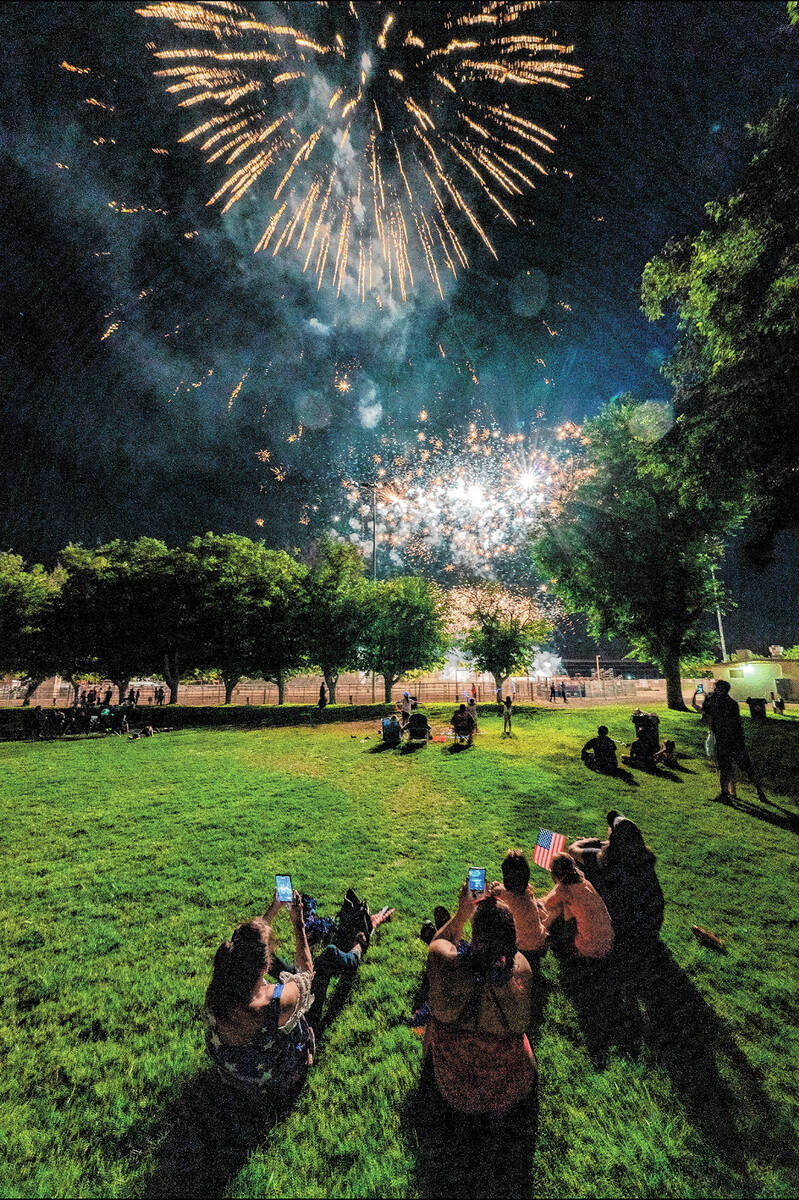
x,y
477,1056
260,1035
600,753
622,869
391,730
528,913
667,755
586,932
463,725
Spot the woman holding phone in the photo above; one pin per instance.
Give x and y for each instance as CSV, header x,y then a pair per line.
x,y
478,1058
260,1034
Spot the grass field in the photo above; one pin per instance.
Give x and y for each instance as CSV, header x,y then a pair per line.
x,y
126,863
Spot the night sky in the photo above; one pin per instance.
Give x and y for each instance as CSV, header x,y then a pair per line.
x,y
177,420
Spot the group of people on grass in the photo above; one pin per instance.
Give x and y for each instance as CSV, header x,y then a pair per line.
x,y
602,918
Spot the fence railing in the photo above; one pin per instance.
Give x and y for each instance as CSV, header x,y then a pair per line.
x,y
354,690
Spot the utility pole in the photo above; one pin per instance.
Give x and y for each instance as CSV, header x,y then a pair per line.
x,y
718,616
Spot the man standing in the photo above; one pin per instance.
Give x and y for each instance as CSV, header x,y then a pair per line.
x,y
724,720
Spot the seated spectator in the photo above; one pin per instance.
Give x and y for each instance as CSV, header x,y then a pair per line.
x,y
647,737
600,752
587,923
528,913
463,724
480,1008
622,869
391,730
667,755
418,728
259,1034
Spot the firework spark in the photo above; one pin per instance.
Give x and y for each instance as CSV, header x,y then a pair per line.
x,y
378,143
458,506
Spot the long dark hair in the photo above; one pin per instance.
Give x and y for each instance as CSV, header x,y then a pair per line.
x,y
493,940
239,964
626,847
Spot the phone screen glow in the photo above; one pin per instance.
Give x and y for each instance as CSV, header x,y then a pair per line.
x,y
283,883
477,879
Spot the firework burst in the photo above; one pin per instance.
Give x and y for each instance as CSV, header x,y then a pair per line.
x,y
457,506
378,134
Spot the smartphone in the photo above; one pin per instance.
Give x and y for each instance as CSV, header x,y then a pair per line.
x,y
477,881
700,687
284,890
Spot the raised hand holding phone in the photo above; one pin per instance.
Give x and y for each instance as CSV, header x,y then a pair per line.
x,y
477,881
283,886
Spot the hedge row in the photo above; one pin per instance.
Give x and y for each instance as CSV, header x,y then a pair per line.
x,y
16,723
21,722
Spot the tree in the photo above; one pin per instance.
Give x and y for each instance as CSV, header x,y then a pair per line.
x,y
735,370
113,608
233,584
403,628
28,596
630,547
504,632
280,644
334,610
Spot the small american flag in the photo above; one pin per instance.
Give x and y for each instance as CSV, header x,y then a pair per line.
x,y
548,845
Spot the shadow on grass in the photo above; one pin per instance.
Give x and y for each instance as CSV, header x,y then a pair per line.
x,y
618,773
774,814
658,772
463,1154
456,748
412,747
209,1134
209,1130
655,1005
381,746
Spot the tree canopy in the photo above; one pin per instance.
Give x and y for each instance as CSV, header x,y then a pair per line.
x,y
735,289
627,547
403,628
335,587
505,632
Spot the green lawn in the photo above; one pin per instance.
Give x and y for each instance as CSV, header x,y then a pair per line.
x,y
126,863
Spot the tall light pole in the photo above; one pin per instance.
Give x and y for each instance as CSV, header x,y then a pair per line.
x,y
718,616
372,488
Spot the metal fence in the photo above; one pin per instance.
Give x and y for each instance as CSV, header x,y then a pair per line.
x,y
353,689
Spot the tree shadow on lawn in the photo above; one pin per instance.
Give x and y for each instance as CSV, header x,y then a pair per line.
x,y
658,1006
462,1154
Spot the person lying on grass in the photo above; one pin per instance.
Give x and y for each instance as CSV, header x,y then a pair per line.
x,y
260,1035
584,928
480,1004
622,869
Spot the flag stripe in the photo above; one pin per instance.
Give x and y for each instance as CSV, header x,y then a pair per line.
x,y
548,845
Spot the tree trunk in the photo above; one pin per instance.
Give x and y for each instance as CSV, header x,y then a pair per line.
x,y
281,687
389,683
122,687
171,676
498,682
230,682
331,679
671,670
30,688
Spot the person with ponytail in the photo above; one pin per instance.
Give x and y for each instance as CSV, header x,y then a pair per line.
x,y
477,1056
